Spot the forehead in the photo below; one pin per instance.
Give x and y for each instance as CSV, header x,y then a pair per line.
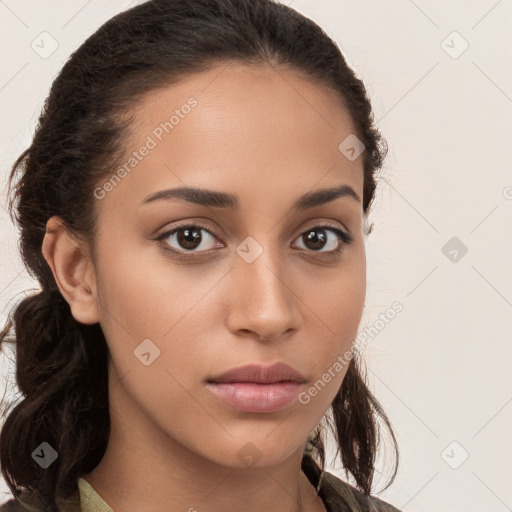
x,y
240,128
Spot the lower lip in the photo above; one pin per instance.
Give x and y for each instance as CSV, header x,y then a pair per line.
x,y
254,397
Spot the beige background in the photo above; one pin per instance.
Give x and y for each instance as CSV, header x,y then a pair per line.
x,y
441,368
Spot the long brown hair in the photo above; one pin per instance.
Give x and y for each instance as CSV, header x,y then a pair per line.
x,y
61,364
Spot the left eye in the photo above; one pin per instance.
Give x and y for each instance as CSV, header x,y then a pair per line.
x,y
317,237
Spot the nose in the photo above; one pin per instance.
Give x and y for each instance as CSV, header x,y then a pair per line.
x,y
262,303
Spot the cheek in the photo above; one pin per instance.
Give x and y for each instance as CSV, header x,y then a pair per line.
x,y
140,292
336,307
337,297
143,296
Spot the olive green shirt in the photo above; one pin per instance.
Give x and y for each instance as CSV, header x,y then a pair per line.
x,y
337,495
90,500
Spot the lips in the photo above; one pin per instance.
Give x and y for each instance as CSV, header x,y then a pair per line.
x,y
277,372
258,389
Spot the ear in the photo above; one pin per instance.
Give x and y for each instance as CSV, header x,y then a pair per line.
x,y
367,227
73,270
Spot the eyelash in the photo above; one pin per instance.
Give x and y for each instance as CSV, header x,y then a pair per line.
x,y
344,238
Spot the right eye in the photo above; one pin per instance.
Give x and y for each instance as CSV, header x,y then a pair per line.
x,y
187,238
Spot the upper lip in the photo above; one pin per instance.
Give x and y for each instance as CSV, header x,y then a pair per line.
x,y
276,372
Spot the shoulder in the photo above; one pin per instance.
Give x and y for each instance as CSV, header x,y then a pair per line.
x,y
12,506
340,496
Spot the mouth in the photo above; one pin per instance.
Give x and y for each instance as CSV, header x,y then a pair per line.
x,y
259,389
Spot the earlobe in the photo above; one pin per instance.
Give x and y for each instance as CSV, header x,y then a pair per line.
x,y
71,265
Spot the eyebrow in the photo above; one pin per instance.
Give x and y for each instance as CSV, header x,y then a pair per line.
x,y
211,198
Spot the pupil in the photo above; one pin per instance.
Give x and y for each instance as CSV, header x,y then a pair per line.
x,y
318,241
190,238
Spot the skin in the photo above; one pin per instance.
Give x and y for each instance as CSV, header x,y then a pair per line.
x,y
269,136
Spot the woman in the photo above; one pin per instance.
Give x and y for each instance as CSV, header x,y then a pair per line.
x,y
194,207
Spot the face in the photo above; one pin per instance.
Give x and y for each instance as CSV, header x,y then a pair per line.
x,y
187,291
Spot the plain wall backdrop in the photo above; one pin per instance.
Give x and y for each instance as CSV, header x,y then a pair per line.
x,y
440,79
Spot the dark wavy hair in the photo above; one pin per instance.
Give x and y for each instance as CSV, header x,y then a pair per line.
x,y
61,364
